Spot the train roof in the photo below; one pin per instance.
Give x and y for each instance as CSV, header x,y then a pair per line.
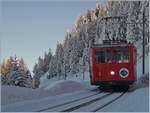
x,y
115,45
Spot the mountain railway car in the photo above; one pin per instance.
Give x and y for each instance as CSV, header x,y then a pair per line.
x,y
113,63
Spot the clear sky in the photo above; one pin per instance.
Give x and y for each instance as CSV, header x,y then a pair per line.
x,y
29,28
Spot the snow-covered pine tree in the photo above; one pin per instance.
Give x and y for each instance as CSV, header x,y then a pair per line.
x,y
52,68
47,59
6,70
20,75
59,55
38,71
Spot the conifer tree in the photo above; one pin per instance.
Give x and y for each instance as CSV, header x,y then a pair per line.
x,y
15,72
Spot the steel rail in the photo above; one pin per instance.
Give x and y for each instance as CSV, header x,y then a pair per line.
x,y
85,104
108,103
55,106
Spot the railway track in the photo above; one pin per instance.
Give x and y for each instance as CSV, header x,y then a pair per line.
x,y
75,100
86,103
97,106
75,104
107,103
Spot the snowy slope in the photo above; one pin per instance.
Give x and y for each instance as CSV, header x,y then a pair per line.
x,y
12,94
47,84
59,93
136,100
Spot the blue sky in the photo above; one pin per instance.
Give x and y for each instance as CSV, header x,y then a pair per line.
x,y
29,28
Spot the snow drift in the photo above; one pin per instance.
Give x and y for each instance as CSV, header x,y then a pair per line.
x,y
12,94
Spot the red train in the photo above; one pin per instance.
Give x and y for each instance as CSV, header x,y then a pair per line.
x,y
113,63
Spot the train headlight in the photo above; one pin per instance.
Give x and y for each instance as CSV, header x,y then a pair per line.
x,y
112,73
123,72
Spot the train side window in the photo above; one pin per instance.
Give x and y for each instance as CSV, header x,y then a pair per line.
x,y
117,56
121,55
102,56
125,55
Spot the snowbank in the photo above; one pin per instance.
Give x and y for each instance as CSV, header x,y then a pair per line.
x,y
62,86
12,94
137,101
71,80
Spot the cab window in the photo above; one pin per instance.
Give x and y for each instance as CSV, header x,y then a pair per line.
x,y
102,56
121,55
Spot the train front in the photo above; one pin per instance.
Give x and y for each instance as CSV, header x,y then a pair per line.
x,y
113,65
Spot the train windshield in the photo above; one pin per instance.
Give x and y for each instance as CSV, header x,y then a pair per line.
x,y
103,56
121,55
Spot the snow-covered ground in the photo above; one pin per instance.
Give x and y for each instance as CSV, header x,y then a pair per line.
x,y
52,87
23,99
48,84
12,94
60,92
136,101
